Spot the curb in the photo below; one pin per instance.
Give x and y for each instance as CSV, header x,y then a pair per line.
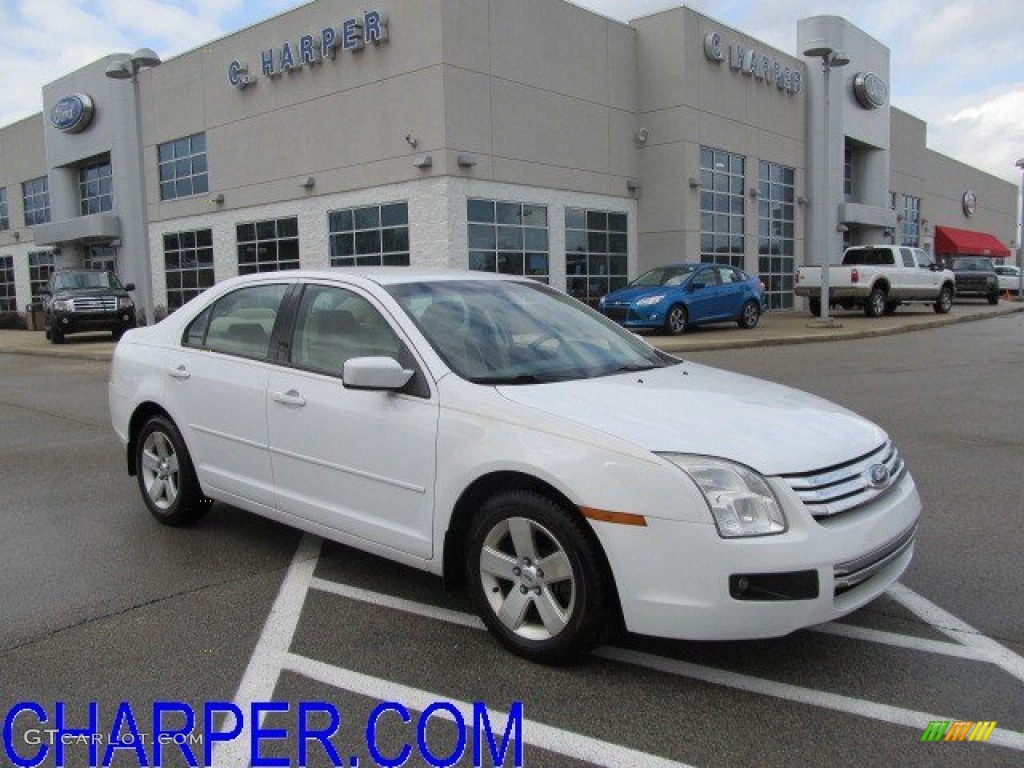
x,y
681,345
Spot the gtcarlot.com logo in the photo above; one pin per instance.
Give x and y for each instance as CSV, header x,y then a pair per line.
x,y
958,730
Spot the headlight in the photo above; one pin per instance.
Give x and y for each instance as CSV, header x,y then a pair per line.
x,y
125,302
647,301
741,502
64,305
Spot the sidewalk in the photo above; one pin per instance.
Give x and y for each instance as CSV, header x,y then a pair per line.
x,y
774,329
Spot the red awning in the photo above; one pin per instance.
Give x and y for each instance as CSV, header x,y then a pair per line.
x,y
950,241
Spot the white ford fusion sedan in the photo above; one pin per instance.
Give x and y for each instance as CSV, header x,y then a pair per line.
x,y
501,434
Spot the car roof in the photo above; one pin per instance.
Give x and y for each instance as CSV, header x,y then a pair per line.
x,y
382,275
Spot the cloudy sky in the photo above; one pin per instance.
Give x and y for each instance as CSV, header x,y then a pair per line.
x,y
958,64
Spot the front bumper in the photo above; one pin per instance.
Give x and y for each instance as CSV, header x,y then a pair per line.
x,y
74,322
679,580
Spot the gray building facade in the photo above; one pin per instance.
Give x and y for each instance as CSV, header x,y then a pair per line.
x,y
523,136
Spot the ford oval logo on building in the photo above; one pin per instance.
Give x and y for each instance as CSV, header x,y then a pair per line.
x,y
871,90
72,114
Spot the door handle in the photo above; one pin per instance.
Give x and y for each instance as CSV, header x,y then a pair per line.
x,y
291,397
181,372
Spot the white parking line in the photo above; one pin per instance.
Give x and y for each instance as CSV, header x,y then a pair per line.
x,y
264,668
939,647
837,702
272,655
537,734
959,630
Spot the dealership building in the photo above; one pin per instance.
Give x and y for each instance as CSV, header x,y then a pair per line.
x,y
529,137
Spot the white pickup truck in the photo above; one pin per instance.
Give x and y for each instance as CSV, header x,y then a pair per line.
x,y
879,278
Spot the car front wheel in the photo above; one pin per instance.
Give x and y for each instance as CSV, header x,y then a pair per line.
x,y
165,473
944,303
993,298
536,577
676,320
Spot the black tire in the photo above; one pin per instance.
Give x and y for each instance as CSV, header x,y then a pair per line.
x,y
749,315
676,320
890,307
875,304
944,302
544,618
993,298
815,307
167,479
56,335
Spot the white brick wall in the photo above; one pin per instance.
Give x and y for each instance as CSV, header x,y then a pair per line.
x,y
437,224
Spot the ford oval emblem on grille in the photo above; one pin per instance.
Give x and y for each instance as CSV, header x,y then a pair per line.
x,y
878,476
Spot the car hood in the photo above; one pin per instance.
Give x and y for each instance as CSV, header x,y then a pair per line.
x,y
689,408
630,295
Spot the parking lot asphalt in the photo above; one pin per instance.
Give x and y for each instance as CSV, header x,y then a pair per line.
x,y
775,328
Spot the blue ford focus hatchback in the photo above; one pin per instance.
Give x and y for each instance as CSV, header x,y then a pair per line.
x,y
674,297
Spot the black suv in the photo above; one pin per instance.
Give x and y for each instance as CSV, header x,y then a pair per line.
x,y
975,276
87,300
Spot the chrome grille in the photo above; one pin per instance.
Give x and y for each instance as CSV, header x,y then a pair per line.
x,y
619,313
845,487
96,304
849,574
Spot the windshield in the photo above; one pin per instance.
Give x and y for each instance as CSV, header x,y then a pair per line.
x,y
520,333
972,265
663,276
70,281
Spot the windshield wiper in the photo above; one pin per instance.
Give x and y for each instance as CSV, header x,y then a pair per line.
x,y
630,368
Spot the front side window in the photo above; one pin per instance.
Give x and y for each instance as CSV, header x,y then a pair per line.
x,y
188,265
519,332
40,267
722,207
372,236
776,235
182,167
8,297
5,222
35,195
510,238
334,325
595,253
240,323
96,188
268,246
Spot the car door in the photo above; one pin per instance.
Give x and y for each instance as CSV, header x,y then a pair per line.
x,y
731,292
216,390
702,295
360,462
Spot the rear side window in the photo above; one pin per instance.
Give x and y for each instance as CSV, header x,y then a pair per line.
x,y
240,323
869,256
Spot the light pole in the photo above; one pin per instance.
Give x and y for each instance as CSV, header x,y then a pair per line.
x,y
124,69
1020,238
830,58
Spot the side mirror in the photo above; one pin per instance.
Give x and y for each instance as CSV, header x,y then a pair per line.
x,y
129,287
695,287
375,373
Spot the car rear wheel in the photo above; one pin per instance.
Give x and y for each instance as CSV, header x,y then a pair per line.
x,y
875,305
676,320
165,473
944,303
814,305
749,315
536,577
993,298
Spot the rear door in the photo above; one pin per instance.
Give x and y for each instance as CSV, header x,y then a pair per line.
x,y
216,388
